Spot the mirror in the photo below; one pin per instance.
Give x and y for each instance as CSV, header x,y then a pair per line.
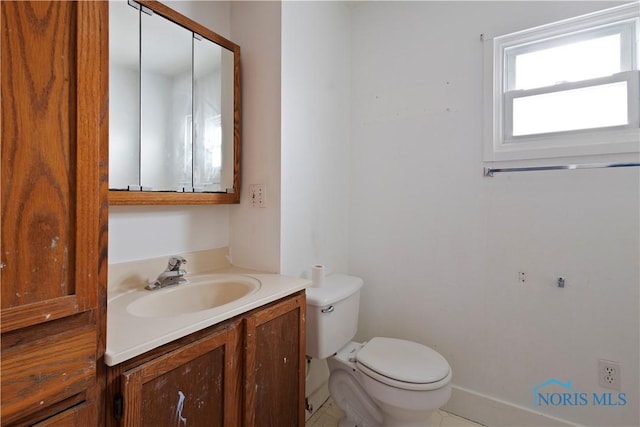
x,y
174,109
165,104
213,115
124,99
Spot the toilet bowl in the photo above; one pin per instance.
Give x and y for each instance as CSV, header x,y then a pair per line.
x,y
385,382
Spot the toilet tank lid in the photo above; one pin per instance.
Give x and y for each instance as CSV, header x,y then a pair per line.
x,y
336,287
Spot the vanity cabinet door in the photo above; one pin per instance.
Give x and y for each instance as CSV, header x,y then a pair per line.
x,y
275,365
195,385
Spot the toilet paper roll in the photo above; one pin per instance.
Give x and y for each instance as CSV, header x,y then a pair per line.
x,y
317,275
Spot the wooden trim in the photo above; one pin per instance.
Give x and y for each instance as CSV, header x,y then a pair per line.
x,y
97,394
276,310
237,121
302,361
189,24
170,361
38,312
249,401
90,92
233,374
92,87
131,387
168,198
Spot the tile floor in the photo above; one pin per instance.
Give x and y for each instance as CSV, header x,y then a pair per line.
x,y
329,414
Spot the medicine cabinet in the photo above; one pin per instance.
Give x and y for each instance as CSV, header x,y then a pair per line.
x,y
174,109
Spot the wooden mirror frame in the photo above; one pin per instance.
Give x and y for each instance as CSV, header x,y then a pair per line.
x,y
117,197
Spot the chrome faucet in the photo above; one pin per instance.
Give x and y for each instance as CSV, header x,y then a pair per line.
x,y
172,275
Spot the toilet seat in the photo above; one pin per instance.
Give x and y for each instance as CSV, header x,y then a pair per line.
x,y
403,364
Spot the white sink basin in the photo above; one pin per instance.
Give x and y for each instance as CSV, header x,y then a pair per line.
x,y
139,320
197,295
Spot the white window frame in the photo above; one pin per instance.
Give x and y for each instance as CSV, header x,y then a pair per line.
x,y
500,145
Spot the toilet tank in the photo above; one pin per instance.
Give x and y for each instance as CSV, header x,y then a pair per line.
x,y
332,314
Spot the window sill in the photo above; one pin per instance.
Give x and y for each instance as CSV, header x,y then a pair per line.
x,y
572,145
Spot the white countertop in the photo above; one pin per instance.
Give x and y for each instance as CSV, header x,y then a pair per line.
x,y
129,336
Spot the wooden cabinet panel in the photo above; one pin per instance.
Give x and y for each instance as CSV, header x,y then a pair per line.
x,y
274,365
38,163
46,370
52,102
194,384
53,198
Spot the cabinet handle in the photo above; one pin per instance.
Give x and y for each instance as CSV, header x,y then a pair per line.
x,y
118,406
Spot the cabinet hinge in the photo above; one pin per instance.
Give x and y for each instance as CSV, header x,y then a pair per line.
x,y
118,406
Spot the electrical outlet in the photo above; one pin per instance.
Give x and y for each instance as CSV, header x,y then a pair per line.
x,y
258,195
522,277
609,374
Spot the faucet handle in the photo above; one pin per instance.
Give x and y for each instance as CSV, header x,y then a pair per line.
x,y
175,262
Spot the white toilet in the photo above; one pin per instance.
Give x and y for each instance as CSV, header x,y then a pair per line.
x,y
385,382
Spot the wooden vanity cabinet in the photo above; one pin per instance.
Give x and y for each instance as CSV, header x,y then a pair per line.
x,y
54,199
247,371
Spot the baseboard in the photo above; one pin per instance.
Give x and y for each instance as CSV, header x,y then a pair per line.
x,y
474,406
494,412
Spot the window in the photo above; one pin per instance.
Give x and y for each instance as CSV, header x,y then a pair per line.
x,y
565,89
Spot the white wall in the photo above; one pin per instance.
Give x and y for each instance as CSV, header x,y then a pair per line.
x,y
214,15
440,246
142,232
316,124
255,232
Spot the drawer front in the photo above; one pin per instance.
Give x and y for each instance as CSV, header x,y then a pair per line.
x,y
46,370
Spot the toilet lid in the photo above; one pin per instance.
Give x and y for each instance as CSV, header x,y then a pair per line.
x,y
402,361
